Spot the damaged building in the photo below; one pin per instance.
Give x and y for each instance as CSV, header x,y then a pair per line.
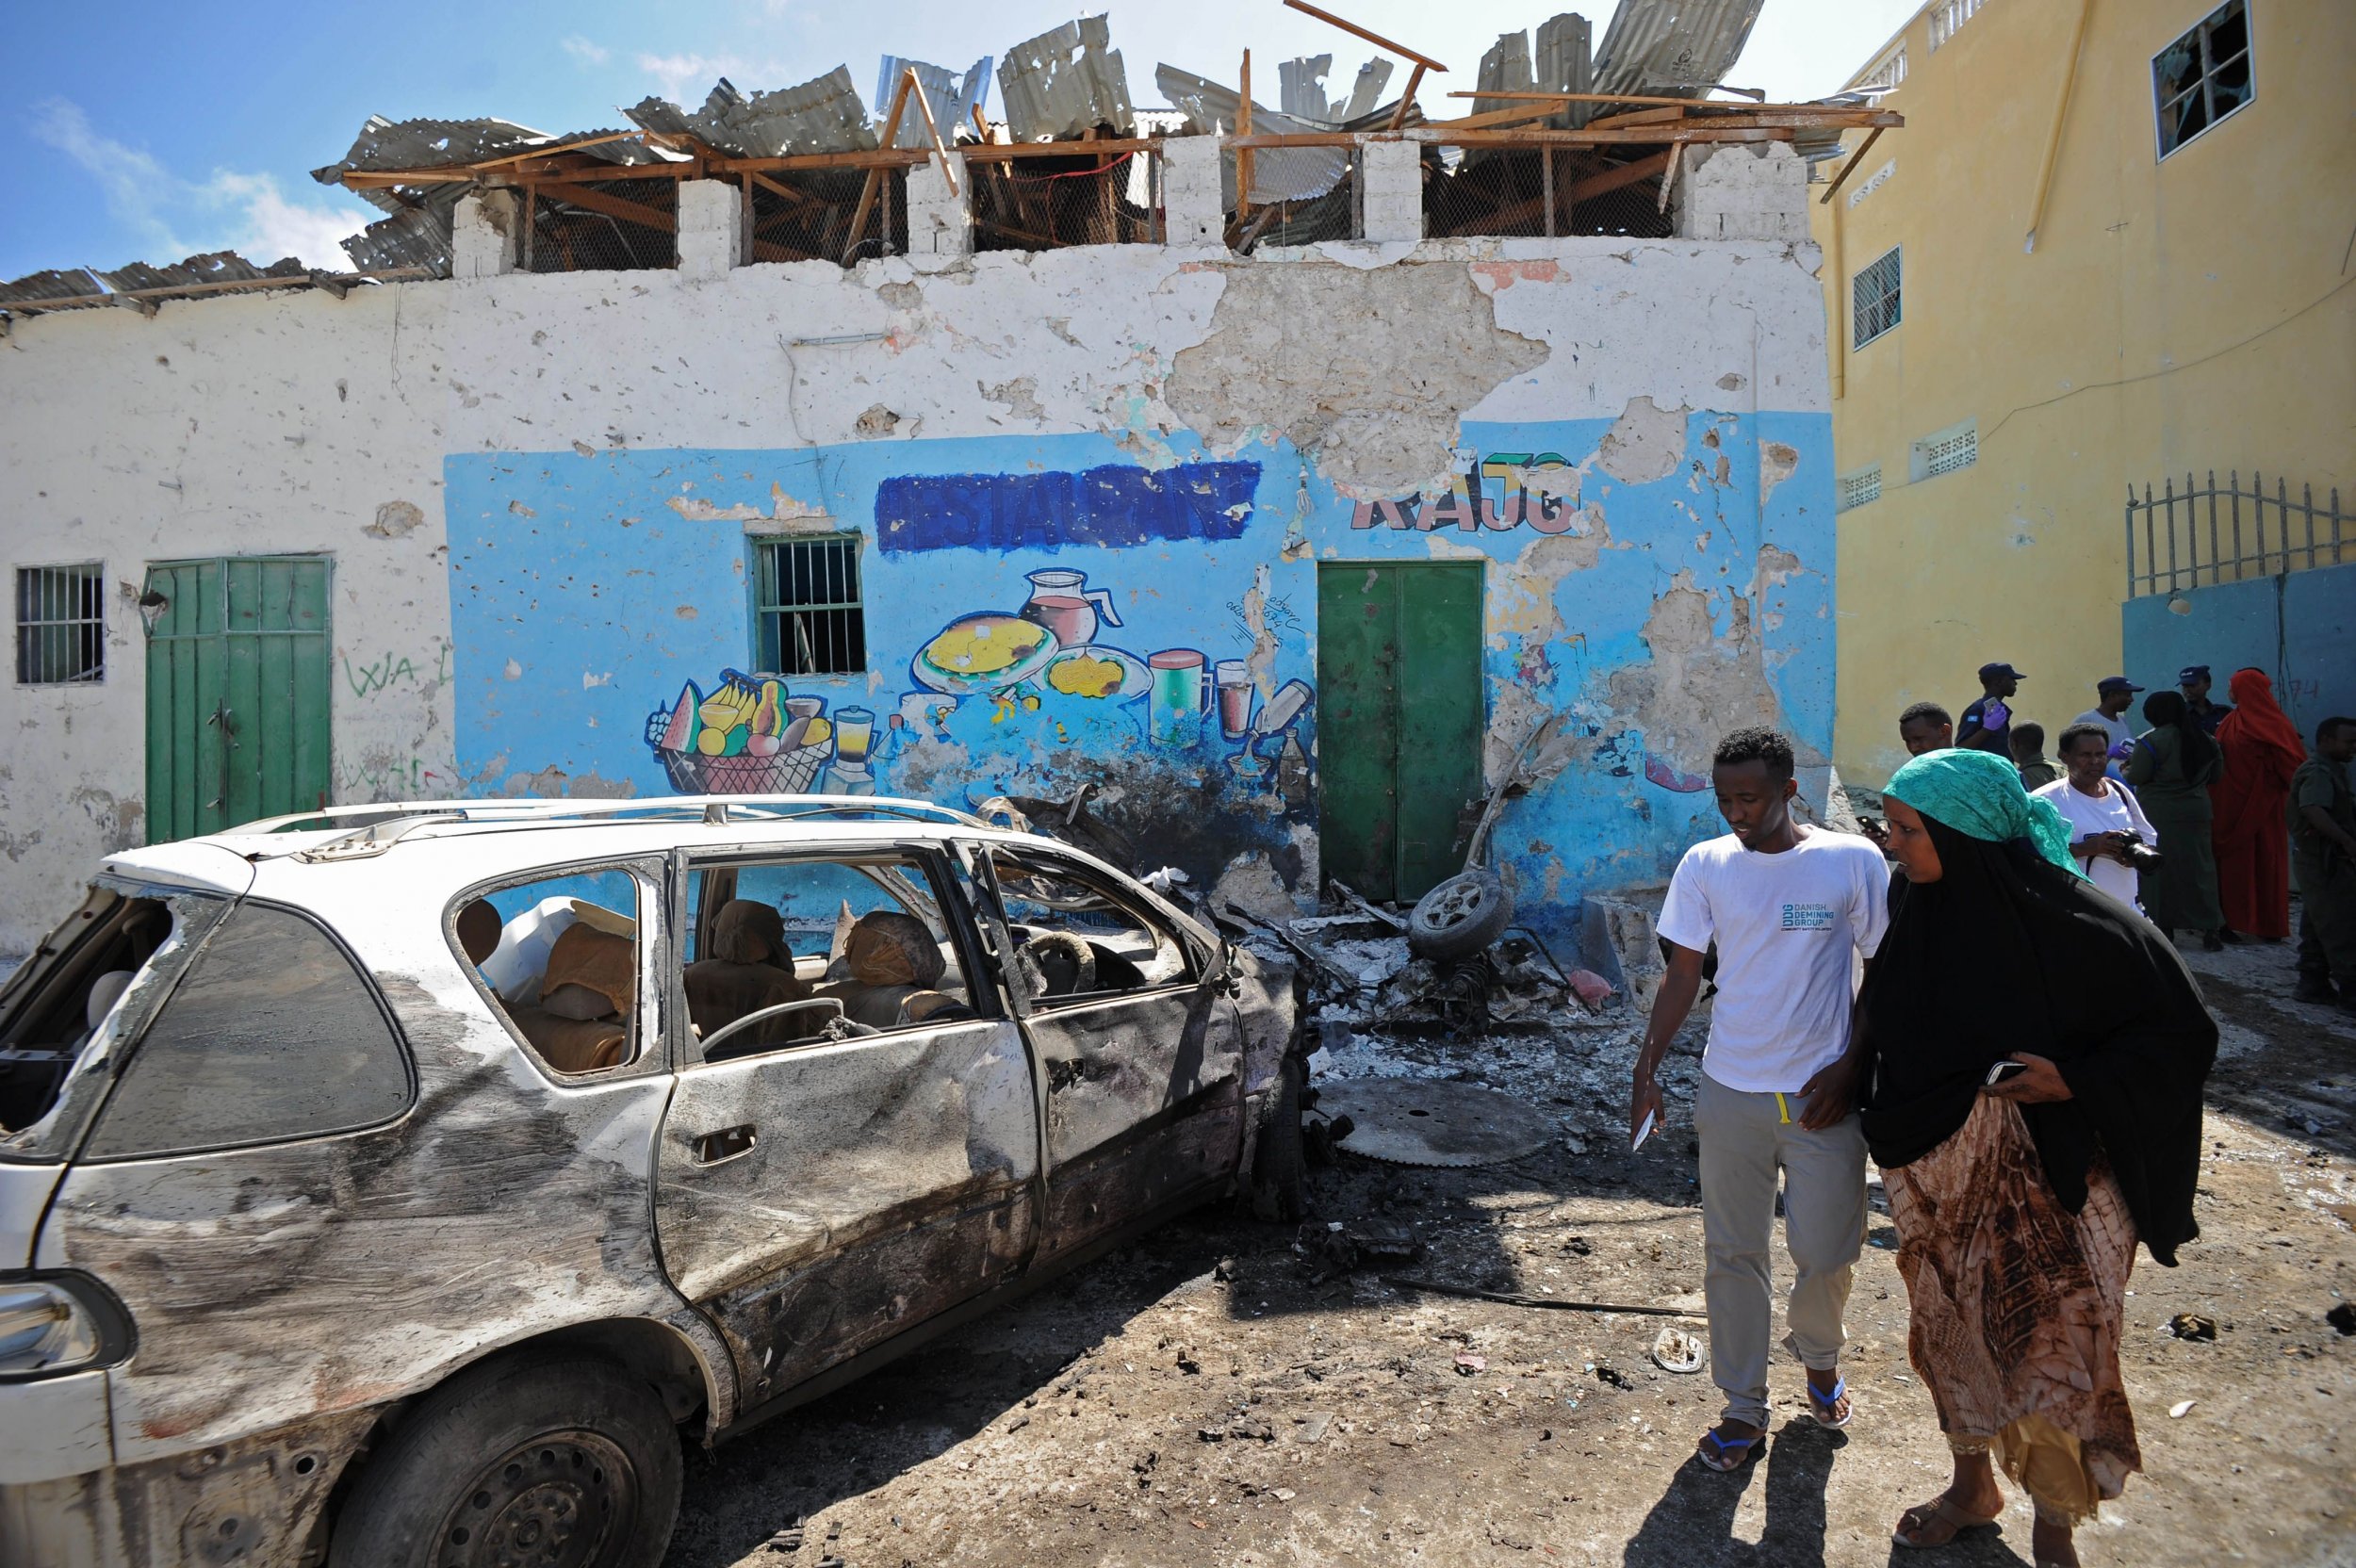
x,y
1273,472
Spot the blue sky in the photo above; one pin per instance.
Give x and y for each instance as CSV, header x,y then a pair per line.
x,y
160,131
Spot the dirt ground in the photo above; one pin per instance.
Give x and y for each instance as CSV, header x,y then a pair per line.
x,y
1200,1398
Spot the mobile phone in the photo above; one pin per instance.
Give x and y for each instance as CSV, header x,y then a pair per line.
x,y
1642,1132
2003,1070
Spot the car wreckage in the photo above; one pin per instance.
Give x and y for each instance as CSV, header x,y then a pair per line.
x,y
392,1185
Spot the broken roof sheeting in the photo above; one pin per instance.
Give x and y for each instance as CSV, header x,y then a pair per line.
x,y
217,267
822,115
951,99
1065,82
1300,90
384,145
415,237
1673,48
1278,174
72,283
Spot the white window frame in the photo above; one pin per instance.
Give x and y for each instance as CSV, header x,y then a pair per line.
x,y
2198,34
1895,295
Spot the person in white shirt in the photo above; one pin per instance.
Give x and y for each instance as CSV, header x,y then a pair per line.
x,y
1789,907
2105,823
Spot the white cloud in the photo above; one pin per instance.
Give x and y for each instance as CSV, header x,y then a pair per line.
x,y
586,51
172,217
686,78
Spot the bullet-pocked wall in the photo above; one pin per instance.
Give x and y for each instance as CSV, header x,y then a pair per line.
x,y
589,530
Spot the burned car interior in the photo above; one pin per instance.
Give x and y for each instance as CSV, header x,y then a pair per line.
x,y
65,991
563,967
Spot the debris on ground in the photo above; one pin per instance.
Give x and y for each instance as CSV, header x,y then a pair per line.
x,y
2192,1326
1675,1349
1428,1122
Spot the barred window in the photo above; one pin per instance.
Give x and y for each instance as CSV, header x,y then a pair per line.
x,y
1944,452
1854,490
1874,300
2203,77
808,617
61,625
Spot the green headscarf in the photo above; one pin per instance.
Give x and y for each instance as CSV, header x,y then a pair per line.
x,y
1978,794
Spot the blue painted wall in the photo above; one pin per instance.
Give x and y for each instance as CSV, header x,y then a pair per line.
x,y
586,600
2299,628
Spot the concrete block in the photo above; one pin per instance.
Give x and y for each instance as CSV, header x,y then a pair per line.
x,y
1741,190
941,224
713,237
486,235
1392,197
1194,200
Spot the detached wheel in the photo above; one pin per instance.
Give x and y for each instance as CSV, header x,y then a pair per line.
x,y
1279,1160
555,1463
1459,917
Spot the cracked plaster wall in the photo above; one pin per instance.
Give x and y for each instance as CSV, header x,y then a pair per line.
x,y
537,490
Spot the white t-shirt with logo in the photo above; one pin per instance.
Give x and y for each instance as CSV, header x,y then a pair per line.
x,y
1786,927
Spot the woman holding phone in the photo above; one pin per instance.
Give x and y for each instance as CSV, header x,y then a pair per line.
x,y
2020,1183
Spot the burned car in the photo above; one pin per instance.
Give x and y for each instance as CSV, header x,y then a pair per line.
x,y
392,1185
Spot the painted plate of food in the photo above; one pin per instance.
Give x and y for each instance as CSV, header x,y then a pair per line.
x,y
1106,674
983,653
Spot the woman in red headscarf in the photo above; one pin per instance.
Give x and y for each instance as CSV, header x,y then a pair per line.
x,y
2261,751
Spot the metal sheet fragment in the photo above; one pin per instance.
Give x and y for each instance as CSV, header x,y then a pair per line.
x,y
822,115
1065,82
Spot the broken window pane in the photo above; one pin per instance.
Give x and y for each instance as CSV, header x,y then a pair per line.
x,y
2203,77
560,957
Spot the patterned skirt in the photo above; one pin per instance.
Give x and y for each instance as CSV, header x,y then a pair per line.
x,y
2015,1310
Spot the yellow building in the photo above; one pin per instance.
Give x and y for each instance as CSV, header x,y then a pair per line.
x,y
2111,245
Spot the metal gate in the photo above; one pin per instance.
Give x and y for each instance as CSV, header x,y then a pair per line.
x,y
237,695
1398,743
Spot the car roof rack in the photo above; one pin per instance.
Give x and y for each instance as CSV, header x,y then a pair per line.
x,y
374,829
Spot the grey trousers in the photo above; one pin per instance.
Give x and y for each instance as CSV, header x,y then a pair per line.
x,y
1745,1139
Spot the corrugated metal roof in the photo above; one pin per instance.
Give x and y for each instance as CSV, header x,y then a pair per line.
x,y
72,283
417,237
219,267
822,115
1064,82
1673,48
1278,174
951,99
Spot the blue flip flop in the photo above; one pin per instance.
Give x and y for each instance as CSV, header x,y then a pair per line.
x,y
1744,1449
1823,1403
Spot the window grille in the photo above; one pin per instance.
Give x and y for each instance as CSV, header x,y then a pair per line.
x,y
1874,300
808,617
61,625
1855,489
2203,77
1948,18
1944,452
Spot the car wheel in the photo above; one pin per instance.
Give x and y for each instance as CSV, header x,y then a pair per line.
x,y
1461,915
1278,1160
562,1461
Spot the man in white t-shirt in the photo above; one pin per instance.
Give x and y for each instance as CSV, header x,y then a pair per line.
x,y
2105,822
2114,694
1789,907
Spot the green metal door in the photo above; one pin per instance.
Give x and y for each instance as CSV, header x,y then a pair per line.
x,y
237,692
1400,719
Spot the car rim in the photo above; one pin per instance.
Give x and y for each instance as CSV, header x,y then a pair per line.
x,y
563,1500
1457,904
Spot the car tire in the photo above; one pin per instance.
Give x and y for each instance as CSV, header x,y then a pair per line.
x,y
1279,1158
503,1460
1459,917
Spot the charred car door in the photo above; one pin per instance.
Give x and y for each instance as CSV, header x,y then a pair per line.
x,y
823,1184
1136,1027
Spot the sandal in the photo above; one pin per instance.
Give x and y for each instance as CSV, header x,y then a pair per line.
x,y
1825,1404
1745,1451
1938,1510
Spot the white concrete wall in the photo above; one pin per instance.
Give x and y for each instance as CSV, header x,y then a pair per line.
x,y
298,422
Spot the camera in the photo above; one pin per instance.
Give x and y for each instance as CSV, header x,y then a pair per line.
x,y
2142,856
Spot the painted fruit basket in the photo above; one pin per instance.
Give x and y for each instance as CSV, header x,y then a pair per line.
x,y
748,738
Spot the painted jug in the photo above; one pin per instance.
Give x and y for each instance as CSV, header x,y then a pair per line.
x,y
1062,602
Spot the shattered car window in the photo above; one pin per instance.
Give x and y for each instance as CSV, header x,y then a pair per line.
x,y
865,933
272,1035
560,955
1080,935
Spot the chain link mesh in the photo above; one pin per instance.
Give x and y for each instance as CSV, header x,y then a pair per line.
x,y
1489,190
1335,215
570,239
805,215
1046,204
